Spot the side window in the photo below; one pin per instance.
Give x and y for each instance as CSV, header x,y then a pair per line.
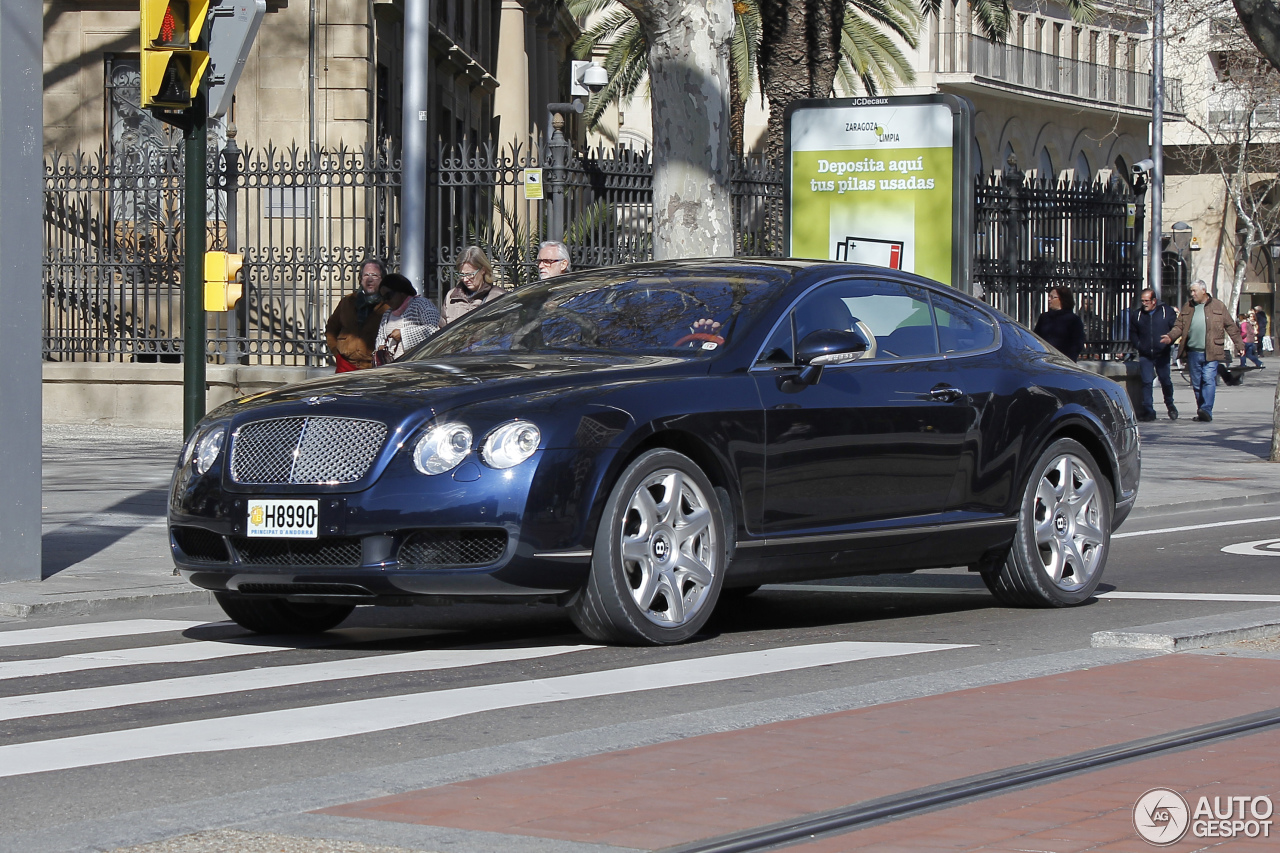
x,y
962,328
894,317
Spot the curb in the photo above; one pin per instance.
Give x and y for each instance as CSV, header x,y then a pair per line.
x,y
1157,510
80,604
1199,633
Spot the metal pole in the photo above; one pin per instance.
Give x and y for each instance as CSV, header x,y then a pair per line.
x,y
194,243
558,147
413,155
238,317
21,238
1157,148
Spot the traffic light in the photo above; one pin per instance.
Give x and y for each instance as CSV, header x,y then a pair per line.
x,y
172,67
223,282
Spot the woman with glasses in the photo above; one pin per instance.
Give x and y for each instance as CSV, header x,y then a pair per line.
x,y
408,321
1060,326
475,285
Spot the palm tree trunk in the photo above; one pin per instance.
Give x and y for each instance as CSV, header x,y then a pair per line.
x,y
799,56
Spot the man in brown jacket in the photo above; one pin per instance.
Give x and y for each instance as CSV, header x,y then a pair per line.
x,y
1202,326
353,326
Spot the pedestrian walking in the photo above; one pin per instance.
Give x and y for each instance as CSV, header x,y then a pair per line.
x,y
475,285
1146,329
1201,330
1249,334
408,321
1060,326
553,259
353,325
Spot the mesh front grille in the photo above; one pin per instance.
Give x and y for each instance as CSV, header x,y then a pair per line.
x,y
302,589
335,552
463,547
201,546
305,451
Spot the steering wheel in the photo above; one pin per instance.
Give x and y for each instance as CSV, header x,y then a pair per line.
x,y
699,336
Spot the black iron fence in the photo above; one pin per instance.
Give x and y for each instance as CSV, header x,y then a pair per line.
x,y
1031,236
304,219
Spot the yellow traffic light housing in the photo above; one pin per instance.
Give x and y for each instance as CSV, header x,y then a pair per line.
x,y
171,69
223,282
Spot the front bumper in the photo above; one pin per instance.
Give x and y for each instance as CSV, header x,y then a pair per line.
x,y
475,532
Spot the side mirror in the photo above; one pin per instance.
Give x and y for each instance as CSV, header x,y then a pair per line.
x,y
820,348
831,346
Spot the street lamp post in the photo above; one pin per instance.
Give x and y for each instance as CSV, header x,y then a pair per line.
x,y
1157,144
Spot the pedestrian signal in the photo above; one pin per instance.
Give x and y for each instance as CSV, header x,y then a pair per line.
x,y
172,67
223,280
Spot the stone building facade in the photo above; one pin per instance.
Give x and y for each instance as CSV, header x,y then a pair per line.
x,y
323,73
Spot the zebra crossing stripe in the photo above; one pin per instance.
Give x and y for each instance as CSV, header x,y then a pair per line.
x,y
363,716
266,678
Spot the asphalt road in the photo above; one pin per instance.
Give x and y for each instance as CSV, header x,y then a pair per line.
x,y
447,693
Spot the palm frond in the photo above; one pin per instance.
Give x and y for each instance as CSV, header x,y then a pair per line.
x,y
870,60
901,17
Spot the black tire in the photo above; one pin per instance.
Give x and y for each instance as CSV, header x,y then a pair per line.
x,y
662,535
1063,536
278,616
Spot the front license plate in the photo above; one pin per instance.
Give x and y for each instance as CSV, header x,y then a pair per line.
x,y
290,519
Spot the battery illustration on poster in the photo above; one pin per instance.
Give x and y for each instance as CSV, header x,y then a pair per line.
x,y
874,181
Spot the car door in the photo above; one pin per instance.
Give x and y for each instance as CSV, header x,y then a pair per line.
x,y
877,438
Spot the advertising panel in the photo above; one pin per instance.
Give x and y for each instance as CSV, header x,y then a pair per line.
x,y
882,181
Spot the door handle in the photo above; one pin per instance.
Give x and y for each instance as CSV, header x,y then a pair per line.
x,y
945,393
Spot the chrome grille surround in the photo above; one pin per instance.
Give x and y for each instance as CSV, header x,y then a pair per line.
x,y
305,450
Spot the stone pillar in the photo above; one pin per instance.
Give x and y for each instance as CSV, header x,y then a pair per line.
x,y
511,101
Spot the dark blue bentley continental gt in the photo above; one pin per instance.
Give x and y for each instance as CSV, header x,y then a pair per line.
x,y
632,442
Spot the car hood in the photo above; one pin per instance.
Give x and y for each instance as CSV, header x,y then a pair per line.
x,y
453,381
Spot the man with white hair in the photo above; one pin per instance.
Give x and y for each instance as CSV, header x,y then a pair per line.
x,y
1201,329
553,259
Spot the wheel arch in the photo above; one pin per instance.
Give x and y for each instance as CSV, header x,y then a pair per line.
x,y
1088,436
697,449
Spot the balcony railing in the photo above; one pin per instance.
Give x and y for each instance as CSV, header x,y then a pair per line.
x,y
966,53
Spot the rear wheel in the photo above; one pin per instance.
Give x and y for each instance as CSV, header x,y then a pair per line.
x,y
1063,536
659,557
278,616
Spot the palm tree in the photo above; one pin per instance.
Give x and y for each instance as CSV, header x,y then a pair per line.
x,y
865,57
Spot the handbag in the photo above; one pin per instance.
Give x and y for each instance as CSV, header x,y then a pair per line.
x,y
1267,345
382,357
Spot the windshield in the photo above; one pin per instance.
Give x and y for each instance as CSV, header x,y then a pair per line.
x,y
635,313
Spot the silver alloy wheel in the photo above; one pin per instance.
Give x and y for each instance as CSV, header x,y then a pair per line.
x,y
1068,518
668,547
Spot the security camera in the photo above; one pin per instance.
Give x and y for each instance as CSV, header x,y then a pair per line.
x,y
588,77
1143,167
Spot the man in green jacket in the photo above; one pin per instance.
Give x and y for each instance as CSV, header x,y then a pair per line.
x,y
1202,326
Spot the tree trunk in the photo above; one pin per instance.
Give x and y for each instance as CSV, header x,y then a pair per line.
x,y
1261,20
689,43
799,56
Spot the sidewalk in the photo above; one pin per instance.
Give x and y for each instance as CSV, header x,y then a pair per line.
x,y
106,548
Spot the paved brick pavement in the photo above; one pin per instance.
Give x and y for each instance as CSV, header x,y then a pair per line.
x,y
679,792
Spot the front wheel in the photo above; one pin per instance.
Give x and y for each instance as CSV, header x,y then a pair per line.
x,y
278,616
1063,535
659,557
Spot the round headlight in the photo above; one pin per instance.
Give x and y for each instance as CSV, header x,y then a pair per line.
x,y
208,448
442,447
510,444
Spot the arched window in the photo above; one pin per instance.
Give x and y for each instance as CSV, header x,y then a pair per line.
x,y
1083,172
1044,167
